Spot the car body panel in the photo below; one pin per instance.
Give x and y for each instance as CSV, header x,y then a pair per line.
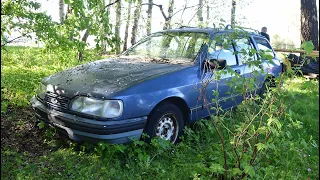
x,y
105,77
80,129
180,84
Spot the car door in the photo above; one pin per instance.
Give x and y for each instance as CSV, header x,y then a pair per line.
x,y
244,56
226,98
262,44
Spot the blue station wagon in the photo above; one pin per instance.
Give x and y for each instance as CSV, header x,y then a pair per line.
x,y
150,88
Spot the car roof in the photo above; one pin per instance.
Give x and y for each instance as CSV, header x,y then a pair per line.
x,y
191,29
210,30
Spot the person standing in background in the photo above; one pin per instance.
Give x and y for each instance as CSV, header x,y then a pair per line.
x,y
264,33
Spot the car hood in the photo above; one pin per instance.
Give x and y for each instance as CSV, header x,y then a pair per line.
x,y
105,77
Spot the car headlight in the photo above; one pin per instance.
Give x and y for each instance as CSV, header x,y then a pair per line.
x,y
101,108
41,91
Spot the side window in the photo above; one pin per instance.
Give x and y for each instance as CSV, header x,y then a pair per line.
x,y
244,47
193,44
216,51
263,45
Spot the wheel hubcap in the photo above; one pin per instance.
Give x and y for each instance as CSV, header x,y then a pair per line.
x,y
167,128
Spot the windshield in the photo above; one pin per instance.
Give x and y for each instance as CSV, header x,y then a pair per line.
x,y
169,47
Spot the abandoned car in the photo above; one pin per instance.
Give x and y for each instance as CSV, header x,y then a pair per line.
x,y
152,88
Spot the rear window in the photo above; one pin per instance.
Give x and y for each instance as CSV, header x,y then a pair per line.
x,y
244,45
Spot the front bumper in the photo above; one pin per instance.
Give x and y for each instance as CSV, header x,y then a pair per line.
x,y
83,129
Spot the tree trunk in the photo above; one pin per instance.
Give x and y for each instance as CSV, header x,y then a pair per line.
x,y
309,22
199,13
167,23
148,26
208,14
104,42
117,27
136,16
69,11
127,26
61,11
233,13
84,39
149,12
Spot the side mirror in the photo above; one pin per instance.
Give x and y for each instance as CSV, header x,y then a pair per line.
x,y
218,63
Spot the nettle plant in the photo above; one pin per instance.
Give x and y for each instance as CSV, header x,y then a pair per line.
x,y
249,134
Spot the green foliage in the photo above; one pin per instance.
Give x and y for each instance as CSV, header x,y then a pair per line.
x,y
23,68
41,124
23,16
254,132
282,43
86,15
307,46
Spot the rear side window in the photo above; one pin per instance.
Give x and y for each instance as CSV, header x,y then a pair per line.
x,y
263,44
217,51
244,47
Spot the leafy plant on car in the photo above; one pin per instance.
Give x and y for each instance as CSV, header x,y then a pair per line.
x,y
249,136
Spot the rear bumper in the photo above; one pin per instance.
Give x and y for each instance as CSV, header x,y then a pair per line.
x,y
83,129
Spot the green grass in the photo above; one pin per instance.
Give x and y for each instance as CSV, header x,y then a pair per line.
x,y
195,157
306,106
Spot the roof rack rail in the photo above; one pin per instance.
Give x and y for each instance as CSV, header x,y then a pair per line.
x,y
244,28
186,27
216,28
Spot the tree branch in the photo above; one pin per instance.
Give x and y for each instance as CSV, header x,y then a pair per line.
x,y
103,9
111,4
15,39
160,7
195,13
182,10
163,13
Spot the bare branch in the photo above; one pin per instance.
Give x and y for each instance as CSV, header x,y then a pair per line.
x,y
10,41
164,14
195,13
183,9
160,7
111,4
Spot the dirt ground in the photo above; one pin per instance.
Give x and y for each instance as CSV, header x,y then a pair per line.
x,y
20,132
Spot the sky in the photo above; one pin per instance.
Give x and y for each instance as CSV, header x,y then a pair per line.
x,y
281,17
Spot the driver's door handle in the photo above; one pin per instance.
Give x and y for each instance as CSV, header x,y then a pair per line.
x,y
237,71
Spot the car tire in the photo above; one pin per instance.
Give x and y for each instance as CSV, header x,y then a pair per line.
x,y
166,122
263,89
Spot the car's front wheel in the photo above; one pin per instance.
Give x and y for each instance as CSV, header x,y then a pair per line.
x,y
166,122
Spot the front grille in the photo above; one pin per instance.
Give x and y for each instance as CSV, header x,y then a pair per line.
x,y
56,101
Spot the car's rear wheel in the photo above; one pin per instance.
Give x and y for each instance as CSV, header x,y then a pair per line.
x,y
268,83
166,122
